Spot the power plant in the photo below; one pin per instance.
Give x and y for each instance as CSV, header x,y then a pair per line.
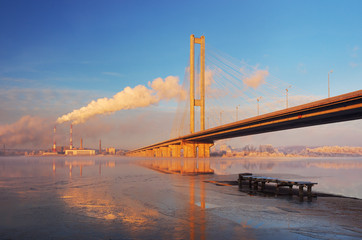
x,y
74,151
80,151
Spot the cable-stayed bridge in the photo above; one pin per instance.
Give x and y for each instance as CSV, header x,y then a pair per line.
x,y
340,108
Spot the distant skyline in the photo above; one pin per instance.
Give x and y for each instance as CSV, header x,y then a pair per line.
x,y
58,56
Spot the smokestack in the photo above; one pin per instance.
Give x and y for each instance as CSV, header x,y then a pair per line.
x,y
100,146
54,144
71,137
81,143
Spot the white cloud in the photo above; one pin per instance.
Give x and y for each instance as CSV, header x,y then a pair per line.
x,y
256,79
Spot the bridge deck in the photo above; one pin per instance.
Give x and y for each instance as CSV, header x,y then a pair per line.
x,y
341,108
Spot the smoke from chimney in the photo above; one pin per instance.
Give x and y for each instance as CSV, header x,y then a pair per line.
x,y
129,98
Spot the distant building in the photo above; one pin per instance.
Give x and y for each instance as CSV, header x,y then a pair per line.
x,y
111,150
80,152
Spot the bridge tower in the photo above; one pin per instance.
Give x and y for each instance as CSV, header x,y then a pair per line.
x,y
197,102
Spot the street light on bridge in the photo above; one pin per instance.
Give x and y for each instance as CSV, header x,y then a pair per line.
x,y
286,95
328,83
237,110
258,99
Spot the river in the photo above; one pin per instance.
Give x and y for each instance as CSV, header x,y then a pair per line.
x,y
106,197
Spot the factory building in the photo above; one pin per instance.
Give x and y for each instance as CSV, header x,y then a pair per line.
x,y
111,151
80,152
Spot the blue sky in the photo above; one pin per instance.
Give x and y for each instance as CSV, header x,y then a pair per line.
x,y
56,56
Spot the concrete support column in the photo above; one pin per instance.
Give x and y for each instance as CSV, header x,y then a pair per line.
x,y
149,153
175,150
202,83
192,83
165,151
197,102
189,150
157,152
204,149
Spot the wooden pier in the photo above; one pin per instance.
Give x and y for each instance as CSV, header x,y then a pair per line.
x,y
255,181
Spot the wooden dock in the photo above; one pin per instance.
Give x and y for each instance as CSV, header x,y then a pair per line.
x,y
255,181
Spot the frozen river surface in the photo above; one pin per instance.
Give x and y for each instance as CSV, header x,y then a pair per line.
x,y
119,198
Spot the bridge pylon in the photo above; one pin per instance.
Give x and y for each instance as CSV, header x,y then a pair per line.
x,y
197,102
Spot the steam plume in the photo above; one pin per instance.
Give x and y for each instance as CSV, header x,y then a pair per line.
x,y
26,130
129,98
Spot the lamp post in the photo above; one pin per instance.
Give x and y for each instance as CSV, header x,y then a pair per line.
x,y
286,96
258,99
237,112
328,83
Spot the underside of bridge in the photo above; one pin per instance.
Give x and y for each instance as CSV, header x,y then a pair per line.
x,y
189,149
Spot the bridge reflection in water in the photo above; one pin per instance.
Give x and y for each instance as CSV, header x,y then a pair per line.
x,y
179,166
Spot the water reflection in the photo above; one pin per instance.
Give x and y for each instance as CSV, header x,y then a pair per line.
x,y
112,199
179,166
95,203
225,166
81,163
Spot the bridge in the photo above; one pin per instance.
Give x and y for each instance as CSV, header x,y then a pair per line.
x,y
340,108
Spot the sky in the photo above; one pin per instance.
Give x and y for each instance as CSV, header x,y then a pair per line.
x,y
59,56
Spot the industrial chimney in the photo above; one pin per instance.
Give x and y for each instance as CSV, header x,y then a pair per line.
x,y
81,143
54,145
71,137
100,146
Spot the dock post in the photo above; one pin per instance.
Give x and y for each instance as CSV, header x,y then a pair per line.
x,y
290,189
262,185
301,192
256,185
309,191
240,181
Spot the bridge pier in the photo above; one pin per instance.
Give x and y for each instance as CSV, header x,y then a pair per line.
x,y
149,153
194,149
189,150
175,150
157,152
165,151
204,149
